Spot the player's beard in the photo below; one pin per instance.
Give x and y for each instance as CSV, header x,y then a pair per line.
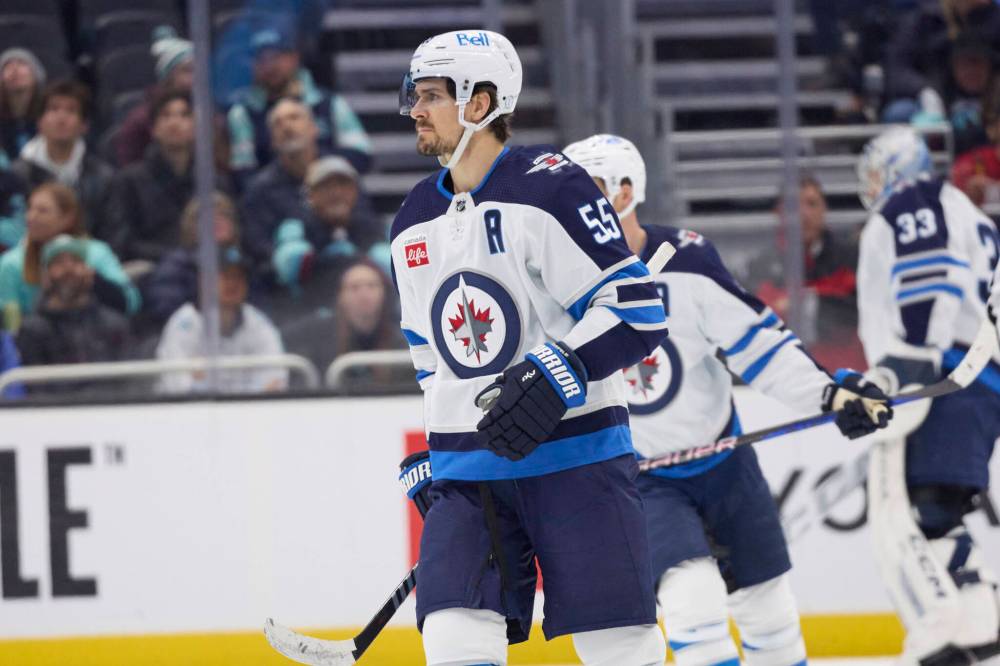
x,y
435,145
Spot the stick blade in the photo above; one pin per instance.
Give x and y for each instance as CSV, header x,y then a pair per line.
x,y
983,348
306,649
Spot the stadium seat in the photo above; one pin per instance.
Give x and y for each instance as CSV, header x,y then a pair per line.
x,y
48,8
120,30
35,33
123,71
91,10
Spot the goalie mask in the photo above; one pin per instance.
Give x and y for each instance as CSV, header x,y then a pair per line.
x,y
612,159
895,156
467,58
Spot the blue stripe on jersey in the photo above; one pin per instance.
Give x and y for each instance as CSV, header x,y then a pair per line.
x,y
744,342
646,314
423,374
463,442
552,456
732,428
636,269
907,265
758,366
989,377
413,339
941,287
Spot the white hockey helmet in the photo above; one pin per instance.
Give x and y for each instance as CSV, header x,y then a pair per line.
x,y
612,159
466,57
896,155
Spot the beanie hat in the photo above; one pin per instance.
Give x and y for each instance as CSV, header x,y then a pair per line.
x,y
63,243
169,50
27,56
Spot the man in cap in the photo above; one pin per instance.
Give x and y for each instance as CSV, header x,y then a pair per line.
x,y
70,325
278,73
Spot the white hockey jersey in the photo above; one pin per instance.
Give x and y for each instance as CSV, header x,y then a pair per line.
x,y
925,264
681,395
533,254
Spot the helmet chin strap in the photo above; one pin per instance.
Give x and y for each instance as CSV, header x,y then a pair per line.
x,y
628,209
470,129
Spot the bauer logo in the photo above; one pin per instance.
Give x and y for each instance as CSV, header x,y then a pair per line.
x,y
416,254
474,39
476,325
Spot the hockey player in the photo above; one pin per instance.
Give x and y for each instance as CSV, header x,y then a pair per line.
x,y
520,298
714,530
926,258
994,304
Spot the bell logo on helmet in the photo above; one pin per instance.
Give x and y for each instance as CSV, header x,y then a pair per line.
x,y
477,39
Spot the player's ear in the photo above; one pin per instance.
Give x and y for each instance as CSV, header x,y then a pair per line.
x,y
478,106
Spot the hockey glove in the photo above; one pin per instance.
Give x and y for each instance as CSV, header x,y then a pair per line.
x,y
861,406
525,404
415,477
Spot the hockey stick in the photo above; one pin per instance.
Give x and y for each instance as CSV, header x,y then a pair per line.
x,y
319,652
979,354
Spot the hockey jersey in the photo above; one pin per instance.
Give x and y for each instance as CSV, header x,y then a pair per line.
x,y
680,396
925,264
533,254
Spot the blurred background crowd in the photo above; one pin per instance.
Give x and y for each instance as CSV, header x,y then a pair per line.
x,y
99,219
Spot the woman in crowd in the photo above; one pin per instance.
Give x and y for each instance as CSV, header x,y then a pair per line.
x,y
22,78
54,209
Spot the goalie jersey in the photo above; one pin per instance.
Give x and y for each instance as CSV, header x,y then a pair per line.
x,y
680,396
533,254
925,265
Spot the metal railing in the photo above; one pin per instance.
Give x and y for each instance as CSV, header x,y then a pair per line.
x,y
42,374
335,373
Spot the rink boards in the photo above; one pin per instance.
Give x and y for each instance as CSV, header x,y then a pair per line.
x,y
177,528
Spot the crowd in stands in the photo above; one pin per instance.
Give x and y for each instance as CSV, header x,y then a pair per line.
x,y
99,224
99,220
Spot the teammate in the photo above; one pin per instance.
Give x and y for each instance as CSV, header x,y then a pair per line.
x,y
520,298
713,524
926,258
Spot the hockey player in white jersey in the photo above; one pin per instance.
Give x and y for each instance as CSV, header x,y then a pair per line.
x,y
520,298
716,539
926,258
994,304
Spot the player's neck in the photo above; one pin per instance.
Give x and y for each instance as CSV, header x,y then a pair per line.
x,y
479,156
635,235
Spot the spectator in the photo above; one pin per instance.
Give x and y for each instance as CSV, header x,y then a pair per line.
x,y
336,229
10,358
13,195
977,172
58,152
148,197
278,74
245,331
830,264
70,325
917,57
53,209
174,72
363,319
22,78
174,282
275,194
971,69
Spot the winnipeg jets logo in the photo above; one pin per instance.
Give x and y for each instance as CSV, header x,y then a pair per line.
x,y
477,328
471,326
548,161
640,376
653,383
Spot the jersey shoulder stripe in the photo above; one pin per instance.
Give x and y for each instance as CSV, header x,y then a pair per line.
x,y
422,204
696,255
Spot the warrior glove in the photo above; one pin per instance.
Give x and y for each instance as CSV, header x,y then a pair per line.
x,y
525,404
415,477
861,406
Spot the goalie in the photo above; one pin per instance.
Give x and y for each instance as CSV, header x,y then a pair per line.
x,y
926,258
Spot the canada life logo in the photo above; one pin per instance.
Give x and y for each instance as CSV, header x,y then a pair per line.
x,y
416,254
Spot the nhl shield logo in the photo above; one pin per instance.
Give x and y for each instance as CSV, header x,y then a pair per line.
x,y
653,383
476,325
